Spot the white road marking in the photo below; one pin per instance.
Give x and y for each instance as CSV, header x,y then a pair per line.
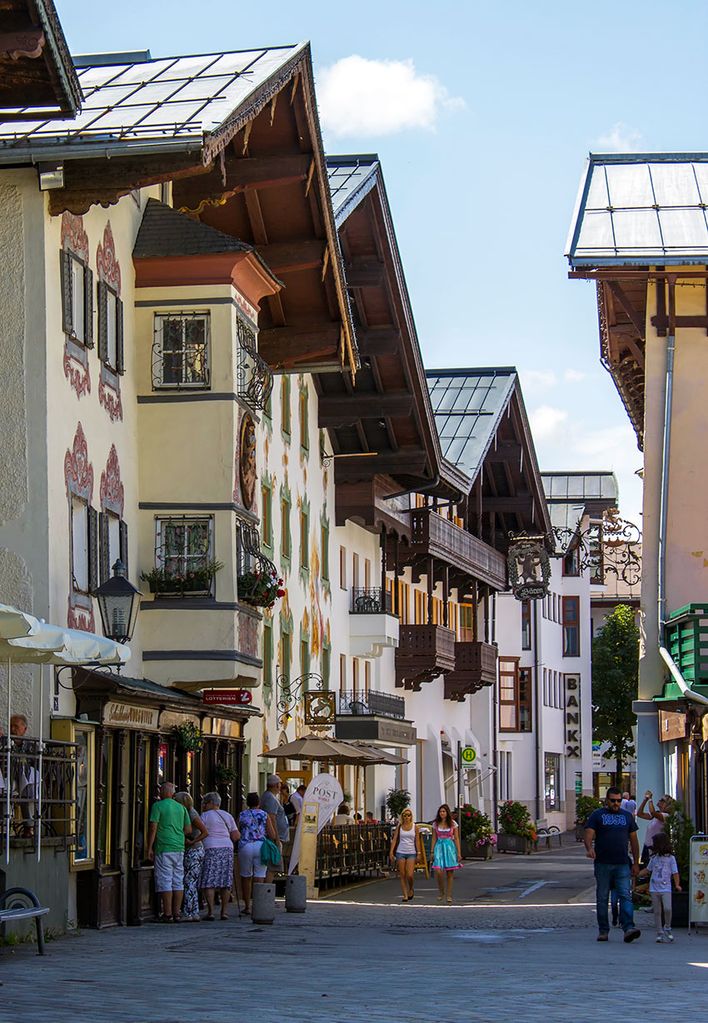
x,y
532,888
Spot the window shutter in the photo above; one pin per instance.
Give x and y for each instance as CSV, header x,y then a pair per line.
x,y
88,307
124,544
104,546
120,356
67,321
93,553
102,321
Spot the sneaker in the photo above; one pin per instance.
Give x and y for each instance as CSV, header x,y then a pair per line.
x,y
603,936
668,935
632,934
660,939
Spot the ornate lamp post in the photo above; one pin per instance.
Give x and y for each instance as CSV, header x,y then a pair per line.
x,y
118,603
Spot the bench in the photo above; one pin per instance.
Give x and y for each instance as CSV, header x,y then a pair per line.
x,y
22,904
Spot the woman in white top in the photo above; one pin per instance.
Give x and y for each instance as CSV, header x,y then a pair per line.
x,y
405,849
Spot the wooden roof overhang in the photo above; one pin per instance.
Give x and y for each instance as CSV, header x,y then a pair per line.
x,y
37,75
261,177
623,296
382,423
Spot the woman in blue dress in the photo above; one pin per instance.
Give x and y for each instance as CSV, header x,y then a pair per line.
x,y
446,854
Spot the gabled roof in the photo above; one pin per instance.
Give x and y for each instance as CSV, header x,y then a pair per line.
x,y
641,209
153,103
165,231
351,178
37,76
581,487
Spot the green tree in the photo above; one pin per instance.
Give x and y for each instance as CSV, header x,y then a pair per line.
x,y
615,676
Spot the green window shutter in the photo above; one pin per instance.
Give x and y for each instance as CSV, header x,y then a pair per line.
x,y
88,307
120,353
67,318
103,321
104,547
93,546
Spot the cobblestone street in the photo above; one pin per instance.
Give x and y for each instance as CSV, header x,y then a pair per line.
x,y
356,956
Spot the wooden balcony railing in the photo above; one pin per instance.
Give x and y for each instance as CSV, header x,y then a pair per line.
x,y
475,667
437,536
424,652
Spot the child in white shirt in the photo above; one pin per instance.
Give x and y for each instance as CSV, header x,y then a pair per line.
x,y
662,869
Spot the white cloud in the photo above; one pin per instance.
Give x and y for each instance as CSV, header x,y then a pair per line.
x,y
619,139
546,421
573,376
538,379
358,96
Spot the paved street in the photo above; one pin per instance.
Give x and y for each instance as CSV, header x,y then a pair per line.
x,y
507,949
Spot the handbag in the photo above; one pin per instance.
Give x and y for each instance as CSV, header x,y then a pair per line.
x,y
270,853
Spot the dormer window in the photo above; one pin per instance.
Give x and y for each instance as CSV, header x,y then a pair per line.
x,y
181,351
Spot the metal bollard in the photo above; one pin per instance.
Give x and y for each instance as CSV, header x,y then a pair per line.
x,y
263,903
296,893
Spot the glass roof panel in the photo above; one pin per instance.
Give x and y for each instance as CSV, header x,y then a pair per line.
x,y
629,185
701,172
597,190
684,228
637,229
674,184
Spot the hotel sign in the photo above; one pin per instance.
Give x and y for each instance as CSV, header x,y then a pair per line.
x,y
125,715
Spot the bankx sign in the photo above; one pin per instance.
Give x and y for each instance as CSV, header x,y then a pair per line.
x,y
573,742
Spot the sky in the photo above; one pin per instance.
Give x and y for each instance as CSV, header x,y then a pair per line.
x,y
483,116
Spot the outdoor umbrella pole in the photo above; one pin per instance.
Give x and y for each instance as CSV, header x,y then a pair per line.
x,y
7,775
37,780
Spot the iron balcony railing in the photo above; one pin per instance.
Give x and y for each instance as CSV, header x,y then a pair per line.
x,y
45,800
371,600
254,377
383,705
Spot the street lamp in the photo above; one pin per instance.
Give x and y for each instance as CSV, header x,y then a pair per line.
x,y
118,603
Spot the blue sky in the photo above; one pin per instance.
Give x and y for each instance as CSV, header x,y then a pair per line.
x,y
482,116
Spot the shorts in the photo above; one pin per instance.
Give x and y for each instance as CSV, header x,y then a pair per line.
x,y
249,860
406,856
169,872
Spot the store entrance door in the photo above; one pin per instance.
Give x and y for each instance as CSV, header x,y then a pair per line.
x,y
140,784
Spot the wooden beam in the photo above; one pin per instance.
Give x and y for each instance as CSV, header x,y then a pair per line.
x,y
286,346
519,502
349,408
364,275
286,257
374,341
633,314
505,451
407,461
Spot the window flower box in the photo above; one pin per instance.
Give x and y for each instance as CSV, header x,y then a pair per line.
x,y
514,844
260,587
193,582
471,850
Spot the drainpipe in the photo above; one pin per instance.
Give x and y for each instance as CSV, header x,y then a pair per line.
x,y
537,720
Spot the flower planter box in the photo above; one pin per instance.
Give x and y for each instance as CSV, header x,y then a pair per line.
x,y
470,851
514,844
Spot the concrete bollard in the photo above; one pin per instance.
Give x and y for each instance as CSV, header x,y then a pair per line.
x,y
263,903
296,893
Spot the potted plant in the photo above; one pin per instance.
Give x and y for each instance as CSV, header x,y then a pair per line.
x,y
680,829
260,587
477,838
517,830
195,581
224,775
396,801
189,736
584,806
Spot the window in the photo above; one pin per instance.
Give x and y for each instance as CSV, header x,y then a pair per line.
x,y
403,602
304,539
326,665
355,676
343,567
324,543
267,514
303,398
355,571
525,624
285,527
285,650
555,607
367,678
367,574
571,626
285,420
467,629
552,780
80,545
113,543
181,351
267,653
504,775
571,562
342,673
77,298
514,696
184,548
110,328
525,699
594,542
304,656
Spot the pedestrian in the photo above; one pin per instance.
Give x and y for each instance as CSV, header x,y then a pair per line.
x,y
445,851
218,865
255,825
343,814
193,858
168,827
662,869
297,798
608,832
629,803
405,849
270,802
370,819
657,817
288,804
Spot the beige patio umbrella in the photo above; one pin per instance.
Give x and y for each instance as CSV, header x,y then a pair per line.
x,y
315,747
379,756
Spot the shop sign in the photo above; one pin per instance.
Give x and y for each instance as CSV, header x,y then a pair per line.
x,y
320,707
698,881
228,697
672,725
223,728
572,716
172,718
321,799
123,715
529,567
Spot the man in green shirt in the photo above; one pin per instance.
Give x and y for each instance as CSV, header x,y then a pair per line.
x,y
169,823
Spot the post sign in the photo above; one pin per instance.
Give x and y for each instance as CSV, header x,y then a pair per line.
x,y
698,881
468,755
228,697
323,796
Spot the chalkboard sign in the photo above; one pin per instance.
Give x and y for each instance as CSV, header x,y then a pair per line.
x,y
426,841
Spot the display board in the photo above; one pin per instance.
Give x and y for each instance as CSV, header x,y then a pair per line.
x,y
698,881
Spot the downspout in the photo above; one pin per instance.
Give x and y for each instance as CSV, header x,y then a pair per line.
x,y
537,721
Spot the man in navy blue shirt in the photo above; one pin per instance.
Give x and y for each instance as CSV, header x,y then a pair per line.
x,y
608,833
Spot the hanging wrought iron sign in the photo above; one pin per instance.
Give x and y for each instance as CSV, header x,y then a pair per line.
x,y
320,707
610,546
529,566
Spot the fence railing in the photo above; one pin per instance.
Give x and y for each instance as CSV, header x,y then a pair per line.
x,y
349,851
371,600
383,705
41,782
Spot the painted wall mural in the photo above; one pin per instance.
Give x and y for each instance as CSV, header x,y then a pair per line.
x,y
75,362
78,477
111,490
109,273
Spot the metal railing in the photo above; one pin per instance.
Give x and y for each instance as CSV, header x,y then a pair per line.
x,y
350,851
254,377
383,705
42,791
371,600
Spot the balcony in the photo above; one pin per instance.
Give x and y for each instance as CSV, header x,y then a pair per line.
x,y
372,627
475,667
373,717
431,534
687,642
424,652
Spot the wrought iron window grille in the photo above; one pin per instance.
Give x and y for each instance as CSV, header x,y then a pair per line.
x,y
371,600
254,377
180,351
43,799
184,562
